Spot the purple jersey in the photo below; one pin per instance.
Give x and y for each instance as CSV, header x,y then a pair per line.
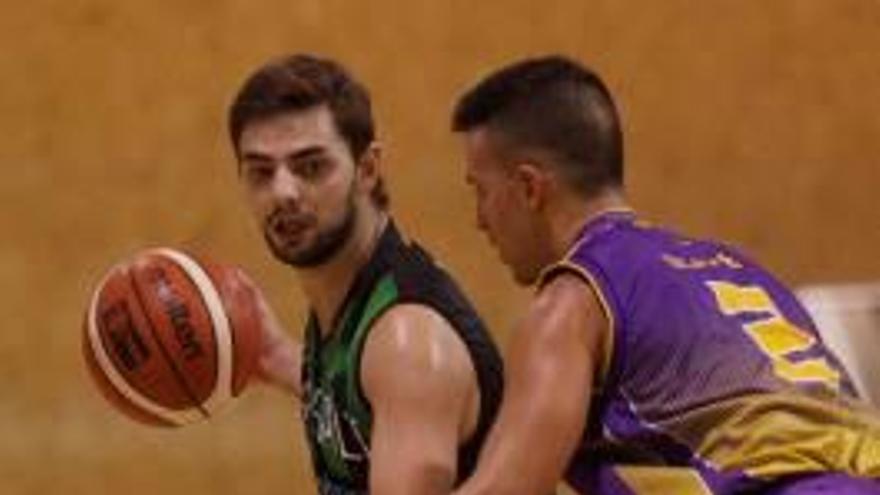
x,y
714,379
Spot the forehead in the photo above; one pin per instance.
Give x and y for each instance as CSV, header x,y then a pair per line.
x,y
290,131
481,152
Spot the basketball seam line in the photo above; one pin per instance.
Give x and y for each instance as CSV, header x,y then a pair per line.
x,y
214,338
118,381
232,332
193,269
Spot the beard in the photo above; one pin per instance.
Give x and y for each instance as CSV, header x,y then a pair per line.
x,y
328,241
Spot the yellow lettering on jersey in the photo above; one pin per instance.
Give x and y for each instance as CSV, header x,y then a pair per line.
x,y
775,336
734,299
815,369
778,337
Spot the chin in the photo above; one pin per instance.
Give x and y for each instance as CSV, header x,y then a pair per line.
x,y
524,277
520,275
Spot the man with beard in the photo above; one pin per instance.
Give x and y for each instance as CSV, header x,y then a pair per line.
x,y
398,378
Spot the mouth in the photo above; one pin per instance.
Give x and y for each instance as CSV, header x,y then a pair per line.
x,y
288,227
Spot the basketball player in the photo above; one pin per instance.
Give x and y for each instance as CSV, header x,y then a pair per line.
x,y
648,362
398,378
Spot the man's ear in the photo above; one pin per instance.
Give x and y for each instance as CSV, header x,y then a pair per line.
x,y
369,169
534,183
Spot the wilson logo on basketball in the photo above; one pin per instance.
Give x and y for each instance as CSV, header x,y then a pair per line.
x,y
178,314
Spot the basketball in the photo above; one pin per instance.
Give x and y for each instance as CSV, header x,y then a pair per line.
x,y
171,339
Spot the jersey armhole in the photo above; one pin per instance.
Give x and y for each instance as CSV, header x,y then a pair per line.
x,y
608,342
383,298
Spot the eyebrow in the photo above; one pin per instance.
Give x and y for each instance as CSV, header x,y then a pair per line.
x,y
297,155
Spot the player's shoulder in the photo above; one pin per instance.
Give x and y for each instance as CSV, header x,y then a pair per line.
x,y
411,317
567,295
413,341
567,288
413,334
626,244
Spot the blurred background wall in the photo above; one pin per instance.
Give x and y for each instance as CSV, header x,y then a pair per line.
x,y
757,122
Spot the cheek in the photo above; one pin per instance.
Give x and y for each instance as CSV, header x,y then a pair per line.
x,y
257,201
501,221
331,198
338,181
487,213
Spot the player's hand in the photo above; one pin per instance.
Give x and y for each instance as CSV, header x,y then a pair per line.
x,y
280,354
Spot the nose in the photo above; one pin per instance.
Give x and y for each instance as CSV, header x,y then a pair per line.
x,y
286,186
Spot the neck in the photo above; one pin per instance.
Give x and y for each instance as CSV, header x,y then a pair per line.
x,y
571,217
326,286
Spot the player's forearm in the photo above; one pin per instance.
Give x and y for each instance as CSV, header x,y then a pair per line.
x,y
485,486
282,366
532,443
547,396
280,360
413,479
538,429
519,472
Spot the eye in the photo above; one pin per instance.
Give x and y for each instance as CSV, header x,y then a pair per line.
x,y
258,172
310,167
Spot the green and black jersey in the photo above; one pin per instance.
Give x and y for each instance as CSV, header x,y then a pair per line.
x,y
337,415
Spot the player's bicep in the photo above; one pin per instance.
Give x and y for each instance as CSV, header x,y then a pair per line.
x,y
415,374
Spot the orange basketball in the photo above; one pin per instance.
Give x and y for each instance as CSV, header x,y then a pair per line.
x,y
171,339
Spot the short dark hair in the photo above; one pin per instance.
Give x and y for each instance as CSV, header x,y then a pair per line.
x,y
301,82
553,105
